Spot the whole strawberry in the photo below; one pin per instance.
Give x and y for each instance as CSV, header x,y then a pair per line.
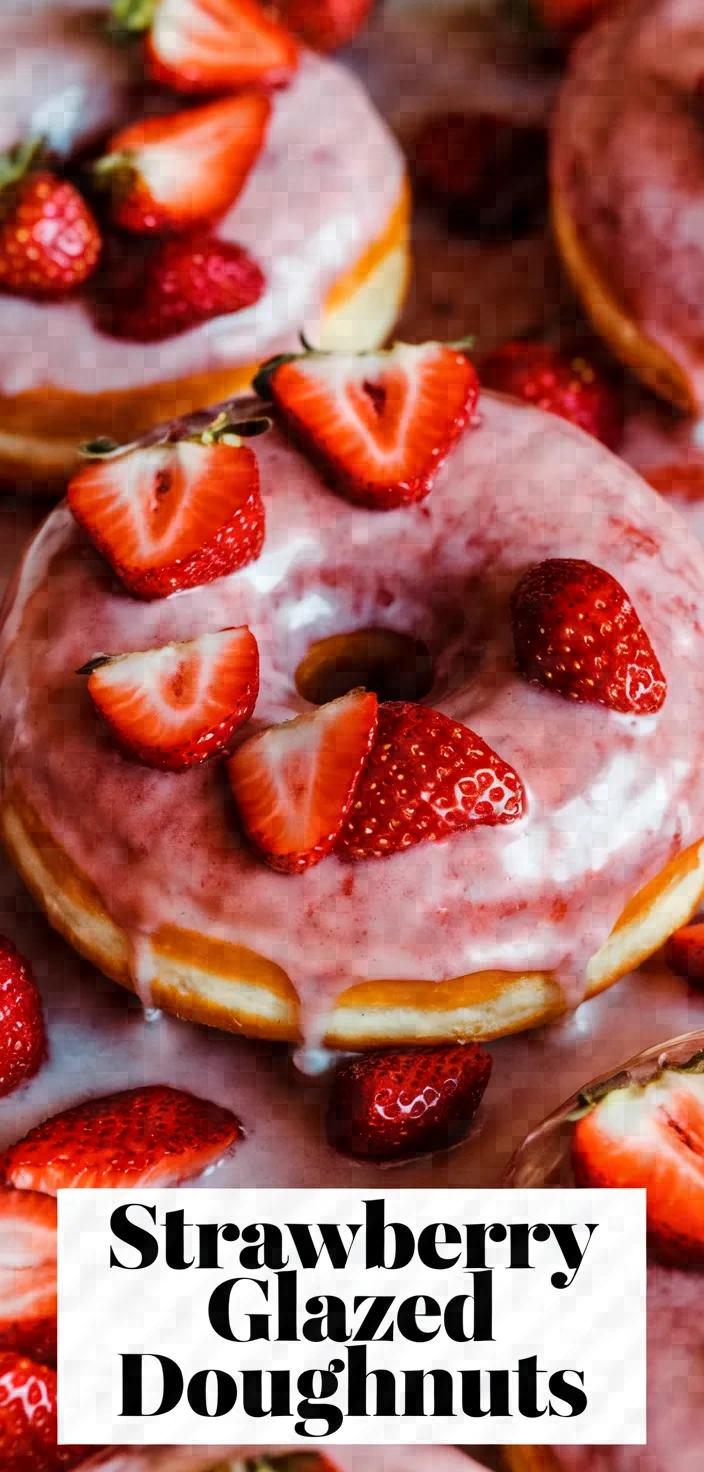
x,y
576,632
157,291
566,384
402,1102
22,1036
426,777
28,1419
49,240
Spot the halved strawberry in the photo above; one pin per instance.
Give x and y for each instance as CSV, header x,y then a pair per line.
x,y
216,45
171,173
565,383
652,1136
172,516
22,1031
684,952
426,778
173,707
403,1102
28,1274
154,1136
28,1426
294,783
379,425
576,632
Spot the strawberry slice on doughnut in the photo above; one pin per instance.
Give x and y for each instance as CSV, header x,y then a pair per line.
x,y
379,425
403,1102
176,706
426,778
294,783
211,45
172,173
153,1136
564,383
576,632
173,515
28,1422
28,1274
652,1136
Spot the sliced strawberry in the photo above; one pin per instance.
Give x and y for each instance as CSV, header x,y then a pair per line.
x,y
324,24
652,1136
426,778
684,952
218,46
22,1034
379,425
576,632
567,384
404,1102
172,173
28,1274
155,1136
28,1423
172,516
173,707
294,783
149,290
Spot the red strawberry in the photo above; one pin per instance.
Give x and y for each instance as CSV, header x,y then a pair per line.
x,y
684,480
22,1036
684,952
294,783
172,516
49,240
492,172
566,17
379,424
576,632
324,24
426,778
155,290
174,707
652,1136
214,45
172,173
404,1102
565,384
155,1136
28,1274
28,1426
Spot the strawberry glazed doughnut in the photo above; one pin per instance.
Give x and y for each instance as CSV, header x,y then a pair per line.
x,y
245,1459
630,229
462,868
205,223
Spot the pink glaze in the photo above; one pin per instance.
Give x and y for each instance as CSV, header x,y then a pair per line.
x,y
343,1458
610,797
675,1385
659,443
629,159
321,191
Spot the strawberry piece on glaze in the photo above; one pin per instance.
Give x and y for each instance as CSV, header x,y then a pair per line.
x,y
398,1103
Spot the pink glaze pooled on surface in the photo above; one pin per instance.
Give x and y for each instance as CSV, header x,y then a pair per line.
x,y
322,191
610,797
633,102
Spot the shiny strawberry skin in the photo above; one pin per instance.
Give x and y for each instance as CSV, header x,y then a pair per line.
x,y
237,541
566,384
394,1105
325,25
28,1422
22,1033
215,46
153,1136
576,632
684,953
156,290
426,778
49,240
651,1136
28,1274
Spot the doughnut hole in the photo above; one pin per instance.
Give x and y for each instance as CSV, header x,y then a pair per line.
x,y
395,666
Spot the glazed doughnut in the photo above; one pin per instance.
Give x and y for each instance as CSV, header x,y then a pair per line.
x,y
629,230
146,872
328,226
235,1459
